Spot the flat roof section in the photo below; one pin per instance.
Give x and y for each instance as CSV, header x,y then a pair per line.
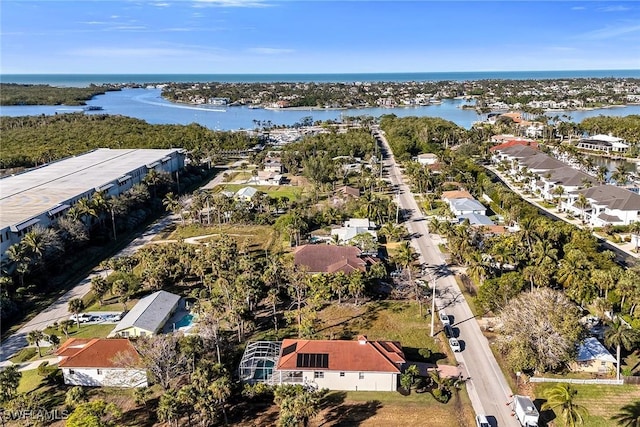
x,y
29,194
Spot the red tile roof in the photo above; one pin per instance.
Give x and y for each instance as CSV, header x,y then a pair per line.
x,y
97,353
513,143
72,346
354,356
330,258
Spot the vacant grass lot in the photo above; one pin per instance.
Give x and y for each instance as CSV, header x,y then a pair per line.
x,y
253,237
602,401
275,191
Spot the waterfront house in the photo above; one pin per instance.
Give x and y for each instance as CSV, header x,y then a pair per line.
x,y
427,159
148,316
101,363
360,365
604,143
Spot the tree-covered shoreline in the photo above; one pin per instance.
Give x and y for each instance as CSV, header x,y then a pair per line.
x,y
19,94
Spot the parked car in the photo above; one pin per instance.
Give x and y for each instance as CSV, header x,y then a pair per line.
x,y
448,331
481,421
82,317
444,318
454,344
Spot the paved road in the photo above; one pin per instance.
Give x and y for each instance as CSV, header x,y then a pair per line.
x,y
488,388
58,310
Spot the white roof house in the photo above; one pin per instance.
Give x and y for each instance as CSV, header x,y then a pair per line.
x,y
148,316
466,206
427,159
353,227
246,193
476,219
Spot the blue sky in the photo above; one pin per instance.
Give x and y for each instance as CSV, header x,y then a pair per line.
x,y
264,36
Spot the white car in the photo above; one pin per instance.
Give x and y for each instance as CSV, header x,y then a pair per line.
x,y
481,421
454,344
444,318
82,318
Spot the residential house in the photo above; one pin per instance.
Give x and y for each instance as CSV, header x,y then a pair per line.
x,y
148,316
360,365
476,219
267,178
427,159
331,259
608,204
246,193
353,227
273,164
593,357
101,363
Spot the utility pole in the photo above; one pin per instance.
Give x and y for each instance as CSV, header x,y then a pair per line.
x,y
397,206
433,301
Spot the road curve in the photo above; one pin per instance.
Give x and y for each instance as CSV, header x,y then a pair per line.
x,y
488,389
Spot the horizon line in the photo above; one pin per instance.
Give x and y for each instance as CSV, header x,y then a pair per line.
x,y
332,73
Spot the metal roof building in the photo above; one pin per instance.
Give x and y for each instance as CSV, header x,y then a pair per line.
x,y
148,316
41,195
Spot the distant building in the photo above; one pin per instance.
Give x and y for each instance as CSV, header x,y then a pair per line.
x,y
427,159
604,143
100,363
148,316
44,194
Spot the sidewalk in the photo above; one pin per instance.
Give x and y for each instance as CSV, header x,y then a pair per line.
x,y
626,248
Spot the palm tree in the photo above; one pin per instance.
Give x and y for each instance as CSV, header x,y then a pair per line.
x,y
620,335
629,415
634,228
99,287
582,203
562,397
76,305
173,205
168,408
34,337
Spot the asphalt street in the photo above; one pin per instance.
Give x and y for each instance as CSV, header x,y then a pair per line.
x,y
488,389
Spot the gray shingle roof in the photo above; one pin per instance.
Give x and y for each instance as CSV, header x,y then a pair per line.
x,y
150,312
613,197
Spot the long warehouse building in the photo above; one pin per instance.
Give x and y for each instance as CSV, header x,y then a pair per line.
x,y
41,195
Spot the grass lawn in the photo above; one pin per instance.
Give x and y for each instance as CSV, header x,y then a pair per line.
x,y
371,409
383,320
291,192
29,381
254,237
24,355
602,401
110,304
85,331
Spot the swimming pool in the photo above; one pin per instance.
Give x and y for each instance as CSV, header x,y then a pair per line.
x,y
186,320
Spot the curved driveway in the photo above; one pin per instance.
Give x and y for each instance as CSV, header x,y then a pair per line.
x,y
488,389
